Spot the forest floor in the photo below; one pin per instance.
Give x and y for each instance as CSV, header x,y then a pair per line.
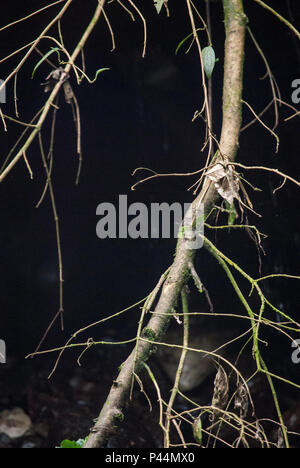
x,y
36,412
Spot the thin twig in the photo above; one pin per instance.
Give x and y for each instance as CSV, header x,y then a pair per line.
x,y
281,18
264,125
144,25
110,30
28,166
30,15
271,78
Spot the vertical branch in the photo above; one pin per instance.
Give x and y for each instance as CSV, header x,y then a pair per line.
x,y
235,22
185,309
57,228
50,152
206,101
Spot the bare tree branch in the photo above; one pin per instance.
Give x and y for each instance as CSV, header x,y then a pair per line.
x,y
112,411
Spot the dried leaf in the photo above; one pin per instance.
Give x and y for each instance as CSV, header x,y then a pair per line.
x,y
69,95
216,173
226,182
221,388
241,401
280,439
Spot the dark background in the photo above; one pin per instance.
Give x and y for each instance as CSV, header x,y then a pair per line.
x,y
137,114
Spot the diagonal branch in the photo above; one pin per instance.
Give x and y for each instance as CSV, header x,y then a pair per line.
x,y
111,413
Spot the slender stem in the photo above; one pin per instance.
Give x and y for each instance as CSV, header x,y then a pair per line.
x,y
30,15
281,18
57,228
206,98
275,398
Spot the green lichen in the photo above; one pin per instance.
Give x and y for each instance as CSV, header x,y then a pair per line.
x,y
149,334
153,350
234,12
119,417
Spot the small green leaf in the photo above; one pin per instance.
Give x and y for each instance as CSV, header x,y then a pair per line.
x,y
71,444
100,70
158,5
53,49
181,232
209,60
184,40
